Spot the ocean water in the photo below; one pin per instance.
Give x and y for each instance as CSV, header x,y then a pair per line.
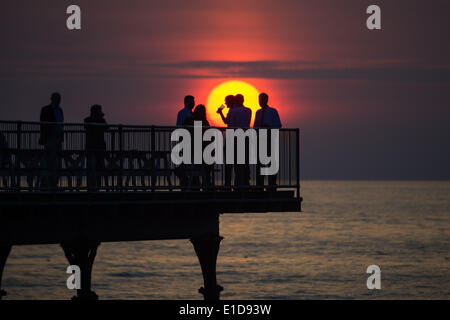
x,y
321,253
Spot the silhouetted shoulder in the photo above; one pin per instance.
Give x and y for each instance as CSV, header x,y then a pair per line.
x,y
46,108
46,113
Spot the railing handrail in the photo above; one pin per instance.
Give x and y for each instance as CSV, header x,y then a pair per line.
x,y
126,125
128,158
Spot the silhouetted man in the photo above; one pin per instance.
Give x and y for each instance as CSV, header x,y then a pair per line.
x,y
239,117
266,118
95,145
182,118
229,103
51,137
186,112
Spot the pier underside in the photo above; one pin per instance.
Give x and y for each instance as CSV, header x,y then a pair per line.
x,y
79,222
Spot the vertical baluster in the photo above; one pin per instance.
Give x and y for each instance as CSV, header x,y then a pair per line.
x,y
152,161
120,178
297,147
18,155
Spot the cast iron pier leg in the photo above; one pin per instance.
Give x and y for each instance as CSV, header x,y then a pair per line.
x,y
82,254
207,249
4,252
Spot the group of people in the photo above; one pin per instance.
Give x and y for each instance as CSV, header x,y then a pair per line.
x,y
52,137
238,116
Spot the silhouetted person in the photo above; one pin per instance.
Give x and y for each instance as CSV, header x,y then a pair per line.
x,y
186,112
51,137
239,117
96,126
229,103
268,118
199,114
183,115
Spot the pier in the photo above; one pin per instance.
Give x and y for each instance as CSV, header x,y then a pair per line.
x,y
136,194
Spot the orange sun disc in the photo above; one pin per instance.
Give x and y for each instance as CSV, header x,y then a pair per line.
x,y
218,94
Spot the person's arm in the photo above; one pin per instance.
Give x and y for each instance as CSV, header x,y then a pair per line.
x,y
41,117
249,117
62,124
179,119
225,120
276,120
42,128
257,123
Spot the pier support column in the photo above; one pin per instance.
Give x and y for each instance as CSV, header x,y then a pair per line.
x,y
4,253
82,254
207,249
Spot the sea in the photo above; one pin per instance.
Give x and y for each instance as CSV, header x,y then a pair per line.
x,y
323,252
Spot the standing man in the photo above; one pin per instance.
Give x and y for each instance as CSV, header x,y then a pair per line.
x,y
240,117
266,118
182,117
186,112
230,103
52,137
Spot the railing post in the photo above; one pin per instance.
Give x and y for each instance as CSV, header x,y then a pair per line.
x,y
297,131
152,158
121,157
18,155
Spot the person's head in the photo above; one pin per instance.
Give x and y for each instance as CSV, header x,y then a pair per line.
x,y
263,99
55,98
189,102
239,100
229,101
199,113
96,111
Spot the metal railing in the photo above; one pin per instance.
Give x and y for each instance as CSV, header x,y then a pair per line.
x,y
128,158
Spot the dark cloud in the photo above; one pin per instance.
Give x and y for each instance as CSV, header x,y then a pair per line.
x,y
301,70
305,70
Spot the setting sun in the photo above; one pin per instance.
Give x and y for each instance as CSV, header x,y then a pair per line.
x,y
218,94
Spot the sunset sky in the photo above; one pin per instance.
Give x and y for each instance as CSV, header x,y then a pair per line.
x,y
370,104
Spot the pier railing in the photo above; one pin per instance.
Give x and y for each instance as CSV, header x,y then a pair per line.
x,y
133,158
